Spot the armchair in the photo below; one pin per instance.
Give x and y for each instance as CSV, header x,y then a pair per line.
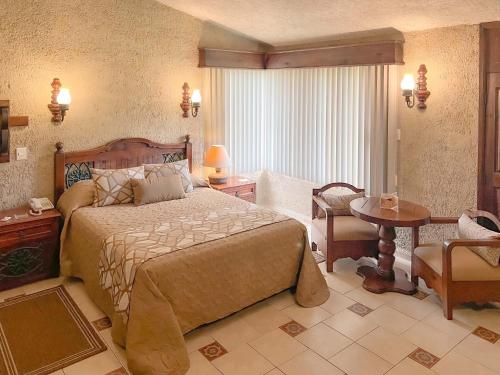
x,y
456,273
340,236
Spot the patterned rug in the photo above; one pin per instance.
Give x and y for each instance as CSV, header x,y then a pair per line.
x,y
44,332
318,256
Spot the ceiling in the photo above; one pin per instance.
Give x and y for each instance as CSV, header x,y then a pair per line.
x,y
281,22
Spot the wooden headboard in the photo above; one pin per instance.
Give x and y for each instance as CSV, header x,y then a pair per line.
x,y
71,167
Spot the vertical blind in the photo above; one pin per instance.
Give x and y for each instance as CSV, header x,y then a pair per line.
x,y
317,124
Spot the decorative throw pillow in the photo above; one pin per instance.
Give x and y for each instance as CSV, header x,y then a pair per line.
x,y
80,194
113,185
470,230
180,167
157,189
340,204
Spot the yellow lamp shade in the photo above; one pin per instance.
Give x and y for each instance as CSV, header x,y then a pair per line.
x,y
217,157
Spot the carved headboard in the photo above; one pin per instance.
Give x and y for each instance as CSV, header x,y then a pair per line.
x,y
71,167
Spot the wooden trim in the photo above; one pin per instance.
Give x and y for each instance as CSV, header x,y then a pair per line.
x,y
481,172
219,58
18,121
390,52
121,153
386,52
443,220
335,185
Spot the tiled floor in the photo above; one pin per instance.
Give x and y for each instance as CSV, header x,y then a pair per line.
x,y
354,332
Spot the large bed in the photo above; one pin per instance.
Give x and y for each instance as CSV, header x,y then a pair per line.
x,y
198,259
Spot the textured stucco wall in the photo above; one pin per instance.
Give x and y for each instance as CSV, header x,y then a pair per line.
x,y
124,62
438,148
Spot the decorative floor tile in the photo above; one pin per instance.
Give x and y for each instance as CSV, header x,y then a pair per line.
x,y
118,371
424,358
360,309
420,295
213,351
102,324
486,334
293,328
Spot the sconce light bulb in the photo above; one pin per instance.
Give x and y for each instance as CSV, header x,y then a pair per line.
x,y
408,83
196,97
64,97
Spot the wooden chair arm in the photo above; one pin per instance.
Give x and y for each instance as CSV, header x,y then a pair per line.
x,y
443,220
320,202
434,220
337,184
449,245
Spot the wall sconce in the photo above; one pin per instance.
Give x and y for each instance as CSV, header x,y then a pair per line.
x,y
60,101
190,102
409,91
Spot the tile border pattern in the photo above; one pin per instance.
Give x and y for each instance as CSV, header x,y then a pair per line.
x,y
424,358
486,334
360,309
293,328
213,351
102,324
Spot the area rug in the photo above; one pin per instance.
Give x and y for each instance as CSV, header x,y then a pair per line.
x,y
44,332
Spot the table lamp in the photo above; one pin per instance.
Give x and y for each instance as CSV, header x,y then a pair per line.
x,y
217,158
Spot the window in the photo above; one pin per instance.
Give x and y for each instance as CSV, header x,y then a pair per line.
x,y
316,124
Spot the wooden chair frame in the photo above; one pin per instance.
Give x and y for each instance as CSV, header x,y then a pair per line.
x,y
338,249
454,292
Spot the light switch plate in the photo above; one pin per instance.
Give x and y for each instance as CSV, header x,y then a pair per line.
x,y
21,153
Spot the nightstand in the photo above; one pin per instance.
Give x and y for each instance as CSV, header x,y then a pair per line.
x,y
239,187
29,247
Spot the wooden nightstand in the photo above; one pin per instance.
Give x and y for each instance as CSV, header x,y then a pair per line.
x,y
29,247
240,187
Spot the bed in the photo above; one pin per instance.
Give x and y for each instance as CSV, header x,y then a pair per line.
x,y
175,280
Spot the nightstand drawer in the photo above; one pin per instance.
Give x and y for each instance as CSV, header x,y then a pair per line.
x,y
239,187
29,247
27,233
28,261
245,195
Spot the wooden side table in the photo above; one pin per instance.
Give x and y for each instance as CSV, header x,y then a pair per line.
x,y
384,277
239,187
29,247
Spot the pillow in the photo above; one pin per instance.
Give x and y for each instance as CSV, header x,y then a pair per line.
x,y
468,229
340,204
180,167
113,185
157,189
81,194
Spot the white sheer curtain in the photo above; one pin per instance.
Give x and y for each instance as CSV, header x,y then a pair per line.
x,y
316,124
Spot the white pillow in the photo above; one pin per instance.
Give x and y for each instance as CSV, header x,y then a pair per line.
x,y
468,229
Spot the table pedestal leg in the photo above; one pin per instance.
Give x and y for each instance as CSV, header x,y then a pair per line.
x,y
384,277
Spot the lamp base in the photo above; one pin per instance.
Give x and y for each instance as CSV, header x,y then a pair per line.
x,y
217,178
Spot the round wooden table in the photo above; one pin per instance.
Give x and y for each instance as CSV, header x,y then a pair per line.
x,y
384,277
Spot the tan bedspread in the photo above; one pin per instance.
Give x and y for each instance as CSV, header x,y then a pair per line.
x,y
179,291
